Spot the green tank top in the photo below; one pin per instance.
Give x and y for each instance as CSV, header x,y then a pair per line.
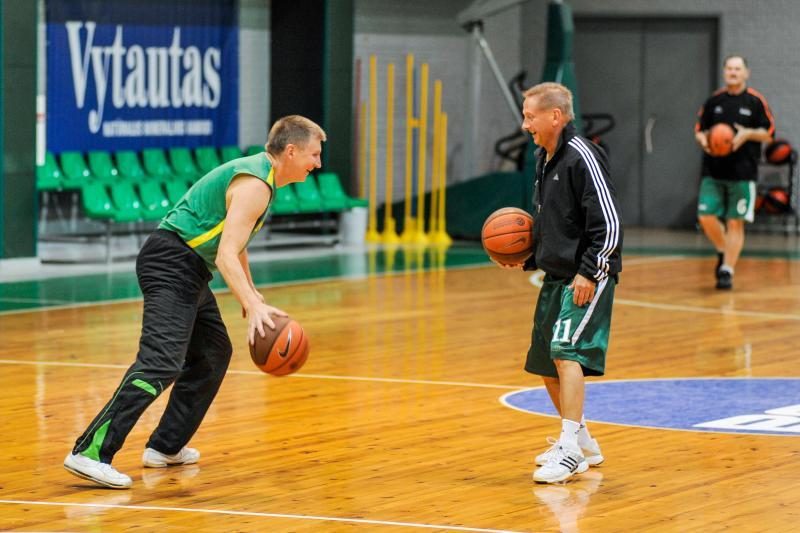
x,y
199,216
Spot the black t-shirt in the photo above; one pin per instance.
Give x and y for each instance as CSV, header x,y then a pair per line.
x,y
750,109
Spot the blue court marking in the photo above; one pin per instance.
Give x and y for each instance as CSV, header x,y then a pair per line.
x,y
761,406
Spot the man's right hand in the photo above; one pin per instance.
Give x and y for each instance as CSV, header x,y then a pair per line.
x,y
518,266
702,139
258,314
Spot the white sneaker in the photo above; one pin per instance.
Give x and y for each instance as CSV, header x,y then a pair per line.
x,y
562,464
155,459
100,473
591,453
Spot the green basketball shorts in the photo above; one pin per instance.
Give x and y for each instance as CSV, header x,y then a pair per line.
x,y
727,199
562,330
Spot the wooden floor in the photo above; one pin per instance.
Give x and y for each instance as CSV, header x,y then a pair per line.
x,y
394,424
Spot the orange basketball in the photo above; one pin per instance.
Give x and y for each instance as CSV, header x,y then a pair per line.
x,y
282,350
778,152
507,236
720,139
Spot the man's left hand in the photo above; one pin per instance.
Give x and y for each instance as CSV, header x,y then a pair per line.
x,y
582,290
741,137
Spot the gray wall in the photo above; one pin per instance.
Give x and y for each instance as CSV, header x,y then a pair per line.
x,y
254,81
429,30
763,31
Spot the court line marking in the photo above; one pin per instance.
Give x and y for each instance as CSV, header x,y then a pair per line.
x,y
294,376
537,279
262,515
503,401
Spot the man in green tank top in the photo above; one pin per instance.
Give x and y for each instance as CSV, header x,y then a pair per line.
x,y
184,342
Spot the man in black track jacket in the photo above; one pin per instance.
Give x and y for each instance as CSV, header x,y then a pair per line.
x,y
577,242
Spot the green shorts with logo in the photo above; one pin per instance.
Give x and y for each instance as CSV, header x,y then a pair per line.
x,y
562,330
727,199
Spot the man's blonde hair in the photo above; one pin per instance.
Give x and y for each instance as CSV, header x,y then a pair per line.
x,y
292,129
552,95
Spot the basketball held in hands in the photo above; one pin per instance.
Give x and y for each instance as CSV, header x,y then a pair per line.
x,y
720,139
507,236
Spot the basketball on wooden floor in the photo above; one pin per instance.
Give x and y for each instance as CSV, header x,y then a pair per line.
x,y
507,236
282,350
720,139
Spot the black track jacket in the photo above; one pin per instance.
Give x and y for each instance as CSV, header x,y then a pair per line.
x,y
577,228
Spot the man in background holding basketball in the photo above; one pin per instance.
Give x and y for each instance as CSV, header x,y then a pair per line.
x,y
184,341
728,185
577,242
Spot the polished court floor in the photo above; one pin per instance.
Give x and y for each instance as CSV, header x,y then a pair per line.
x,y
402,419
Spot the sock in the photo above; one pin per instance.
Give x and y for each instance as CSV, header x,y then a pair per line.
x,y
569,433
584,438
726,268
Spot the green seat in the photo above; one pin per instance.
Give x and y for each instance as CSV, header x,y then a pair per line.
x,y
49,176
285,202
155,203
76,172
155,164
333,194
102,166
183,164
127,202
207,159
254,149
175,190
129,165
230,152
96,202
308,198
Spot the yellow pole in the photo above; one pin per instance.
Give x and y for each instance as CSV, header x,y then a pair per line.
x,y
362,143
437,111
442,237
389,232
411,123
419,236
372,227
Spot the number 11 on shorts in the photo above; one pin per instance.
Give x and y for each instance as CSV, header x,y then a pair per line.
x,y
565,334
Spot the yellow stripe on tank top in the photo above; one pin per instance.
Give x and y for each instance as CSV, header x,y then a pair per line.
x,y
216,230
207,236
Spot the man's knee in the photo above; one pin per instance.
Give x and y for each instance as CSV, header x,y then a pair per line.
x,y
565,364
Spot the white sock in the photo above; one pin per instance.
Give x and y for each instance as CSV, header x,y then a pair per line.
x,y
569,433
727,268
584,437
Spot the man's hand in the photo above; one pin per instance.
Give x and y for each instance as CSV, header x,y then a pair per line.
x,y
582,290
702,139
258,314
741,137
504,266
260,297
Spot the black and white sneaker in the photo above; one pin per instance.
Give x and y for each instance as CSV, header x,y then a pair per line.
x,y
724,279
562,464
720,262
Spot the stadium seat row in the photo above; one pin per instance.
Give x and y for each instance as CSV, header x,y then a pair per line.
x,y
125,188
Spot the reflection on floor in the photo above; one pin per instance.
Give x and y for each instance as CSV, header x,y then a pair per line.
x,y
27,284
